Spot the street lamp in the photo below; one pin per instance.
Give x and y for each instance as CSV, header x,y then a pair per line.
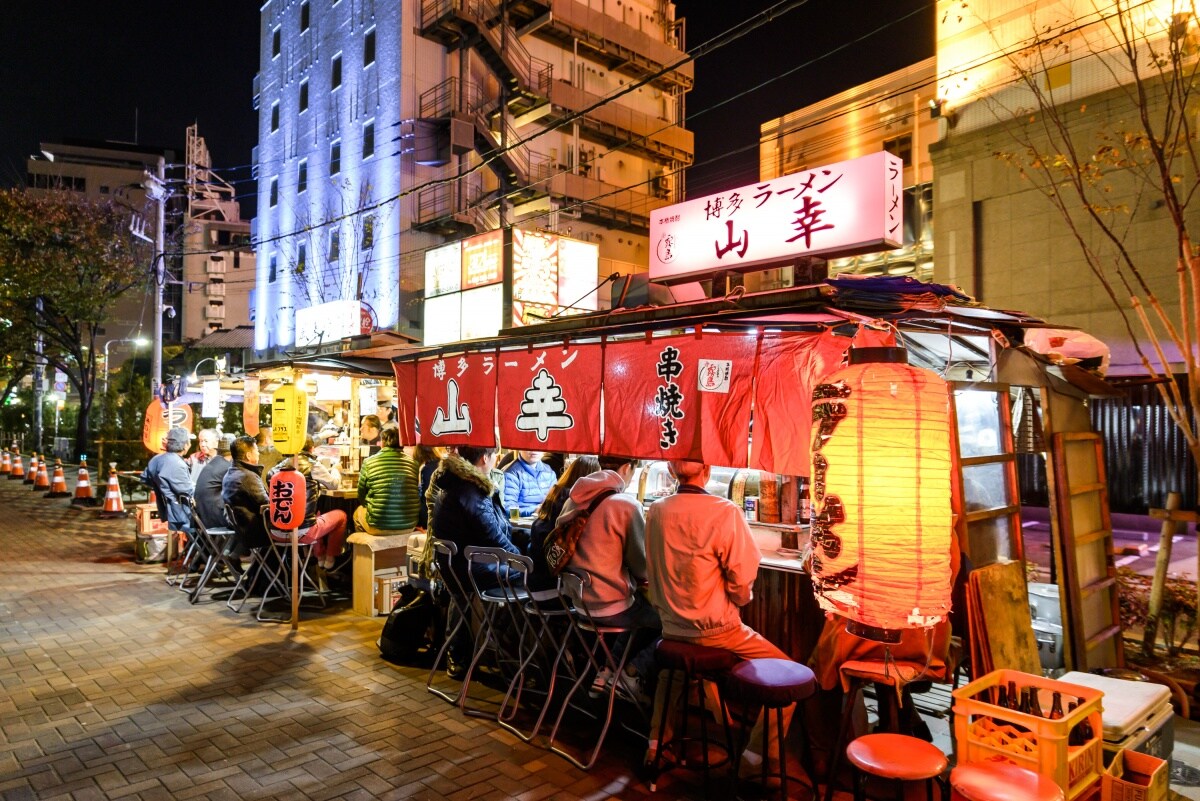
x,y
137,343
218,366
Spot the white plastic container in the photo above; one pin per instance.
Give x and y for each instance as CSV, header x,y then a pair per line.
x,y
1137,714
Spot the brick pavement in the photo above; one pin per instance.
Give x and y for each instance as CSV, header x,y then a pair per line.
x,y
113,686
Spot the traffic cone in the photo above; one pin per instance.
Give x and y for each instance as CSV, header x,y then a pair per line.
x,y
41,482
114,506
58,485
83,486
5,463
31,476
18,471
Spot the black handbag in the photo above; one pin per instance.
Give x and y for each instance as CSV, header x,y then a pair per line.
x,y
406,631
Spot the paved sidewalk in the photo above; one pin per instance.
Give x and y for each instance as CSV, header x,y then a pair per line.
x,y
113,686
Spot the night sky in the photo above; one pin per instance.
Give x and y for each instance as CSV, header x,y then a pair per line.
x,y
81,69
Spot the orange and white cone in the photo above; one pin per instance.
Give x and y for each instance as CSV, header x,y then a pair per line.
x,y
41,482
114,506
5,463
83,487
18,470
31,476
58,484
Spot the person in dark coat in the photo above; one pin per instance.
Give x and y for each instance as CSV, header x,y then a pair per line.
x,y
243,491
427,459
209,504
464,508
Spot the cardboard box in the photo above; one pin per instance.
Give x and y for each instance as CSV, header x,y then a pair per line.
x,y
387,587
147,520
1135,777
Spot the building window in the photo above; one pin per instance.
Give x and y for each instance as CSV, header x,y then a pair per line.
x,y
301,258
335,157
337,71
304,16
302,175
272,274
368,232
275,116
335,245
274,192
901,146
103,189
369,48
304,96
275,43
368,139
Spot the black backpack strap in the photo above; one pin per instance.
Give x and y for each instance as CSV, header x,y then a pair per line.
x,y
605,495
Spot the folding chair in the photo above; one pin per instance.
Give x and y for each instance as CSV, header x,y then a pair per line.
x,y
279,574
500,606
600,657
212,543
447,584
255,567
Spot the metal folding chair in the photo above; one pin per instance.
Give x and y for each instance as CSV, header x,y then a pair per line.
x,y
501,612
446,584
279,574
212,543
256,565
598,640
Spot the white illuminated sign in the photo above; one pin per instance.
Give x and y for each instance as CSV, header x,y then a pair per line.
x,y
578,274
442,319
328,322
843,209
482,312
443,270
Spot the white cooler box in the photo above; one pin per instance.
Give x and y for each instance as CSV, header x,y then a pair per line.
x,y
1137,714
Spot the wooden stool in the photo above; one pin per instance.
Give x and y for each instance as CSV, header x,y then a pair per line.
x,y
1001,781
698,663
775,684
897,757
373,552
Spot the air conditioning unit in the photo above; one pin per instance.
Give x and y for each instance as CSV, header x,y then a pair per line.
x,y
215,266
214,313
215,290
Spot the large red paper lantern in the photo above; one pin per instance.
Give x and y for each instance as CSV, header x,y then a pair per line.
x,y
881,469
288,496
161,418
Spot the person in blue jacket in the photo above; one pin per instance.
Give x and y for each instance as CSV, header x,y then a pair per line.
x,y
527,481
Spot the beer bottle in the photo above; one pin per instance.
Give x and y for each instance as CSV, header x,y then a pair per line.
x,y
1035,704
1014,701
1002,696
1056,710
1026,707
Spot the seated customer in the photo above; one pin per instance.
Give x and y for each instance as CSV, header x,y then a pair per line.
x,y
326,532
465,509
171,479
209,505
701,563
268,457
526,482
387,489
243,491
547,516
428,459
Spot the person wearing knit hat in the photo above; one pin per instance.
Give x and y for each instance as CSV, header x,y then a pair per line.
x,y
168,475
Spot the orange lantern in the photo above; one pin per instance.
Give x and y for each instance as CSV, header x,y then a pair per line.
x,y
160,418
881,518
287,495
289,419
250,406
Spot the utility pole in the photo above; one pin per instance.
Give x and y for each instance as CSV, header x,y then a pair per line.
x,y
156,189
39,396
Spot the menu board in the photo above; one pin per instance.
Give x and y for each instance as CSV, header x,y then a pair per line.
x,y
483,259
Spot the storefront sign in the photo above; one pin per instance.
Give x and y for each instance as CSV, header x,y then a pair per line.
x,y
578,274
788,366
843,209
483,259
328,322
456,400
659,404
482,312
443,270
406,401
289,419
210,398
550,398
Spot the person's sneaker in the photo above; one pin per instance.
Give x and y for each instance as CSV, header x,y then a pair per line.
x,y
630,687
600,683
455,670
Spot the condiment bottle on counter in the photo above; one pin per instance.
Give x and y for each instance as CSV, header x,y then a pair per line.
x,y
805,508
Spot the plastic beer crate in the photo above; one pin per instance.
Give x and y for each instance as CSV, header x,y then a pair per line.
x,y
985,732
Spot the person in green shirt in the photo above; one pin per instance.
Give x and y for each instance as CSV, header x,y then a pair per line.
x,y
387,489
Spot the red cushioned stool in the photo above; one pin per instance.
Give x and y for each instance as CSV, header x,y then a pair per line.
x,y
897,757
1001,781
698,664
775,684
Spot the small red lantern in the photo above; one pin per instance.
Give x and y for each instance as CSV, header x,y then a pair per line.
x,y
881,468
287,495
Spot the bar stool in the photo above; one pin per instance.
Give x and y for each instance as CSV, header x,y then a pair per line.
x,y
897,757
699,664
775,684
1001,781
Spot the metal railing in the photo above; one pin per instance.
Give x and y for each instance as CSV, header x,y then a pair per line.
x,y
533,74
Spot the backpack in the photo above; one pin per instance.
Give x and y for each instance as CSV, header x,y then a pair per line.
x,y
561,542
406,631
